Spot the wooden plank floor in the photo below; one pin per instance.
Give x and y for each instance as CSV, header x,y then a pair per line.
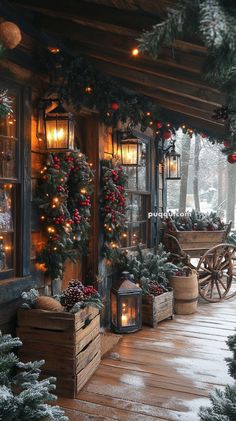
x,y
160,374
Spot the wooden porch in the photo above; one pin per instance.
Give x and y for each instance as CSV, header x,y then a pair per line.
x,y
160,374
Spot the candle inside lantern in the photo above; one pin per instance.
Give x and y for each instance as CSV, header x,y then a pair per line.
x,y
127,315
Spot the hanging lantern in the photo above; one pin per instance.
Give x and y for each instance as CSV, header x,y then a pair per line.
x,y
131,149
59,129
172,164
126,305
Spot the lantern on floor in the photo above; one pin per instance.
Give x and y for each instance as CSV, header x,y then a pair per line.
x,y
59,129
126,305
131,149
172,164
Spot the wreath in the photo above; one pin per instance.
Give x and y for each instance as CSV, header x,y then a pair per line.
x,y
63,197
113,208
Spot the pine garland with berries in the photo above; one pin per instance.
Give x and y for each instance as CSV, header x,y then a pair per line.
x,y
79,82
5,104
113,207
82,84
63,197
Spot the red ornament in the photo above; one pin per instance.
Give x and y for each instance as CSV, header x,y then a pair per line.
x,y
232,158
159,125
227,143
204,135
115,106
167,135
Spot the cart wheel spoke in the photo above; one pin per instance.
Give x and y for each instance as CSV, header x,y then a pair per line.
x,y
218,288
205,291
222,284
202,280
215,270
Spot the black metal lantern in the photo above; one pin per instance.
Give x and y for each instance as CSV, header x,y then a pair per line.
x,y
59,129
126,306
172,164
131,149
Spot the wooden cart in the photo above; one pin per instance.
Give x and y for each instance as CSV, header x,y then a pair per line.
x,y
214,258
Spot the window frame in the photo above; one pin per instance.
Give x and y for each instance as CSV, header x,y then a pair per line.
x,y
22,211
146,193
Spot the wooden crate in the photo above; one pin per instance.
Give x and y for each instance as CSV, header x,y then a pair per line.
x,y
156,309
69,344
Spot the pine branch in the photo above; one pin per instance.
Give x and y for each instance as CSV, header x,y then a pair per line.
x,y
163,34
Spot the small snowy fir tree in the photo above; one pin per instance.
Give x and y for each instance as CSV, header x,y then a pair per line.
x,y
223,403
22,394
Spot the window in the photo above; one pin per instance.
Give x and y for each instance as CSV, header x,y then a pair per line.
x,y
12,190
138,203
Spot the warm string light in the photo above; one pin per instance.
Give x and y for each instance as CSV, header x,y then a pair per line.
x,y
54,50
135,52
51,230
88,89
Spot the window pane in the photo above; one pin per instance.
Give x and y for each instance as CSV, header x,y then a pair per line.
x,y
8,145
6,227
8,167
132,177
8,124
139,208
142,178
142,169
129,207
136,208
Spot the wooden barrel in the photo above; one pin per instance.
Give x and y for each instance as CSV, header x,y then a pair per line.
x,y
185,293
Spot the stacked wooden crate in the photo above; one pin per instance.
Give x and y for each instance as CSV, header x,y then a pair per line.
x,y
69,344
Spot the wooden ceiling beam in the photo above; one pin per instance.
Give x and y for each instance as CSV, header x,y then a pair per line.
x,y
214,98
84,38
117,20
160,83
109,19
155,7
101,41
173,98
143,81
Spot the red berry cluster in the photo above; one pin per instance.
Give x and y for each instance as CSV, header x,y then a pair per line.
x,y
59,220
155,289
60,189
85,202
56,161
77,217
75,293
115,175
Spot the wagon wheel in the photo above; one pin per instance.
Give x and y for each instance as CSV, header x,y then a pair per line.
x,y
215,272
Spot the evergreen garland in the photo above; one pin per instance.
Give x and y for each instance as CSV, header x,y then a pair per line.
x,y
63,197
23,396
78,81
113,207
5,104
215,24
